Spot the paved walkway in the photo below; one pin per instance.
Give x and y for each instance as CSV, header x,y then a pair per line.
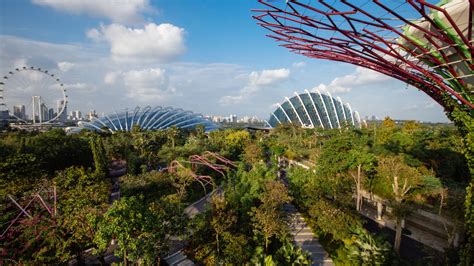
x,y
178,258
303,235
304,238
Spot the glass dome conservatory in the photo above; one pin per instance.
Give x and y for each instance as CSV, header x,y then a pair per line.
x,y
313,109
147,118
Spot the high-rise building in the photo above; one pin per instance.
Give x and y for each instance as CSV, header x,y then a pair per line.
x,y
51,113
19,111
59,105
91,114
44,113
4,114
36,113
76,115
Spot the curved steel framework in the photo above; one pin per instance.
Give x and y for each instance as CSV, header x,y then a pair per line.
x,y
147,118
433,52
312,110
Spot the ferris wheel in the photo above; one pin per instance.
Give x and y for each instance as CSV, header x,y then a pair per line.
x,y
33,95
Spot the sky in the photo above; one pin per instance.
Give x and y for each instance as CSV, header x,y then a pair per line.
x,y
207,56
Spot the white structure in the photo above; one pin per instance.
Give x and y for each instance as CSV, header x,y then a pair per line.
x,y
314,109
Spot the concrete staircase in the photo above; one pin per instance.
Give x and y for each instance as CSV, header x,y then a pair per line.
x,y
178,259
304,238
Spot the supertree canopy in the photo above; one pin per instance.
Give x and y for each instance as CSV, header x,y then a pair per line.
x,y
425,44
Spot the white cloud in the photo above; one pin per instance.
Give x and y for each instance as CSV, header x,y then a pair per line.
x,y
65,66
111,77
157,43
148,85
94,34
129,11
332,88
80,86
230,100
361,77
256,81
412,107
299,64
431,105
34,76
268,77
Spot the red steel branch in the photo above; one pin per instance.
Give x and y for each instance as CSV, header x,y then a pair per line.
x,y
352,33
203,160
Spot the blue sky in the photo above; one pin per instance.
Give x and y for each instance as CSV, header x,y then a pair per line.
x,y
207,56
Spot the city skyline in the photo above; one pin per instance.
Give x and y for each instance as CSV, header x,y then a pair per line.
x,y
191,56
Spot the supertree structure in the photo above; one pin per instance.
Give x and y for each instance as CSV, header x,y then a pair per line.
x,y
426,45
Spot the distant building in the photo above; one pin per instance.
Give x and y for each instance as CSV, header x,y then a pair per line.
x,y
4,115
51,113
19,111
59,106
249,120
37,109
91,114
44,113
76,115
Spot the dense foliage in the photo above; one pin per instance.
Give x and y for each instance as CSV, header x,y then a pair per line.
x,y
411,166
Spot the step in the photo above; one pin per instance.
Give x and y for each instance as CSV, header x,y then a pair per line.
x,y
321,262
313,247
303,237
300,230
185,263
298,226
295,218
176,258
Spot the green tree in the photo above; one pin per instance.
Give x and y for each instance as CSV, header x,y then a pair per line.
x,y
83,196
234,142
332,220
181,179
19,173
172,133
253,153
57,151
388,128
402,178
268,218
360,162
142,231
222,218
101,163
463,118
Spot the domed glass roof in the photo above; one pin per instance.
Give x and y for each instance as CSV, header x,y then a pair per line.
x,y
313,109
147,118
